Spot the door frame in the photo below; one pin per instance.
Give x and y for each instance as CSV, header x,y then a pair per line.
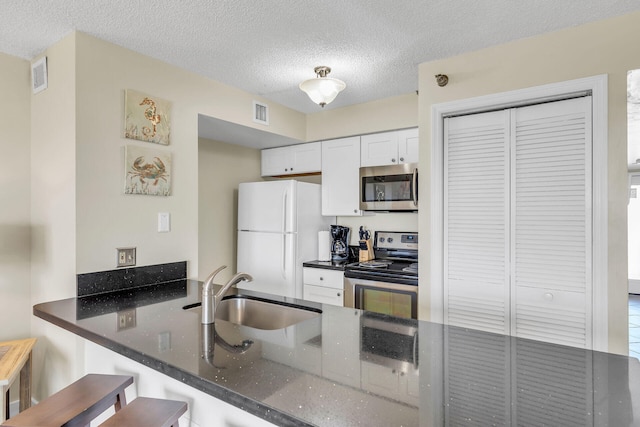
x,y
538,94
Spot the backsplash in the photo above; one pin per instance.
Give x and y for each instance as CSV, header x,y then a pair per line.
x,y
380,221
127,278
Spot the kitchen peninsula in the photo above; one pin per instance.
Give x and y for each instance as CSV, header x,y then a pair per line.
x,y
350,367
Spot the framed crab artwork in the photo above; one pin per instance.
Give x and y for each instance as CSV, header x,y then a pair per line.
x,y
147,171
146,117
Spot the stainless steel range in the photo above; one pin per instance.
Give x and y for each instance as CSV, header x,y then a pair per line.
x,y
389,283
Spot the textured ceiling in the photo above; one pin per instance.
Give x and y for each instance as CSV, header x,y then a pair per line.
x,y
268,47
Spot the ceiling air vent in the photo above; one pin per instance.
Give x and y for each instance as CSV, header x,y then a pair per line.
x,y
260,113
39,80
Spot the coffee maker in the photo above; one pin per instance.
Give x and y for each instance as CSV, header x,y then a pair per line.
x,y
339,243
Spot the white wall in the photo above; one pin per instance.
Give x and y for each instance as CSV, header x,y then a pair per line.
x,y
15,216
597,48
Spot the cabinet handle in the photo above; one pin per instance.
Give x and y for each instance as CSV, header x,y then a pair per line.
x,y
393,160
291,169
286,170
402,159
321,278
355,211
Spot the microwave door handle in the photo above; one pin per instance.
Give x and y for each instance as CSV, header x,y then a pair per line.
x,y
414,187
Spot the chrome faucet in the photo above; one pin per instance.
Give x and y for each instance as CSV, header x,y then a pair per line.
x,y
210,300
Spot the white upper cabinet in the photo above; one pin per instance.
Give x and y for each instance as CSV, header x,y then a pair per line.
x,y
340,177
408,144
293,159
389,148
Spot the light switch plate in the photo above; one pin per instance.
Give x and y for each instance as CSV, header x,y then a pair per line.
x,y
164,222
126,257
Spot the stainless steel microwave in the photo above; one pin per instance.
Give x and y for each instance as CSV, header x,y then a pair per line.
x,y
389,188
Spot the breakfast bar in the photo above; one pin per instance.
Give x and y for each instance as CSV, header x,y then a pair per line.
x,y
343,366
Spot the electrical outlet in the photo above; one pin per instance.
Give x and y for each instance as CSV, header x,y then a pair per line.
x,y
126,319
126,257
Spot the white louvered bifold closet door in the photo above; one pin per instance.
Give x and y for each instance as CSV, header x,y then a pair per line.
x,y
476,213
517,222
551,222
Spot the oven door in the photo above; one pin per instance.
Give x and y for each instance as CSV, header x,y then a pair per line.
x,y
381,297
389,188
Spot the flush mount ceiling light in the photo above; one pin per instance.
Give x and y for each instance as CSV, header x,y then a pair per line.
x,y
322,90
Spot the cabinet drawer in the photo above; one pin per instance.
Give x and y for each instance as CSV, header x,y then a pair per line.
x,y
323,295
323,277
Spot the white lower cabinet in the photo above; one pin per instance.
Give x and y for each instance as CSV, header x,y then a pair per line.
x,y
323,285
396,384
341,346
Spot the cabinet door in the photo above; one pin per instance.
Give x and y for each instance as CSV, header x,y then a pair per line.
x,y
408,144
340,177
551,222
275,161
323,295
306,158
323,277
379,149
476,226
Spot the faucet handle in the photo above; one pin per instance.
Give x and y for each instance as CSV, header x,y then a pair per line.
x,y
210,278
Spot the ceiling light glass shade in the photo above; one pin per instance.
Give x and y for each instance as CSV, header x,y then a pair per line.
x,y
322,90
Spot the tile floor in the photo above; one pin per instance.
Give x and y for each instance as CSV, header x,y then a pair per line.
x,y
634,326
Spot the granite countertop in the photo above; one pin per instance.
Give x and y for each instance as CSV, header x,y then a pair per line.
x,y
327,265
349,367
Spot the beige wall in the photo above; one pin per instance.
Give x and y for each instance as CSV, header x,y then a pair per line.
x,y
53,216
15,222
399,112
598,48
109,218
221,168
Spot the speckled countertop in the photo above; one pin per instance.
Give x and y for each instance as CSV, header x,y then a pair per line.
x,y
348,367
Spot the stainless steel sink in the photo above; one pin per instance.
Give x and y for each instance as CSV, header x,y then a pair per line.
x,y
260,313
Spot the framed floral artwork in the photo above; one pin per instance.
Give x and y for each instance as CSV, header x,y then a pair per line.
x,y
147,171
146,118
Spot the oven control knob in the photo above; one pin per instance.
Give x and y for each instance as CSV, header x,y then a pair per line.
x,y
390,239
382,240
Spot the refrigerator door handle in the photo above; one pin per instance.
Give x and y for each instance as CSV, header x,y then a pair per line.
x,y
284,255
284,211
284,234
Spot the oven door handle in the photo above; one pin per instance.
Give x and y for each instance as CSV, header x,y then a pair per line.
x,y
415,350
414,187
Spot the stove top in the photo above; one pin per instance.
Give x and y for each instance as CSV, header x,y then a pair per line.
x,y
396,259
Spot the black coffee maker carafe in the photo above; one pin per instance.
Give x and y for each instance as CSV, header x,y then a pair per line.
x,y
340,243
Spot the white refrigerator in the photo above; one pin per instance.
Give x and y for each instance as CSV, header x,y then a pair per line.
x,y
278,224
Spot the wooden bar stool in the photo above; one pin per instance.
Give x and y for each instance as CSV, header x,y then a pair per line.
x,y
15,359
77,404
147,412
